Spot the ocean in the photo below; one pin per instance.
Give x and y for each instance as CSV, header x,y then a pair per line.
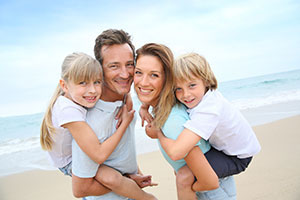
x,y
19,135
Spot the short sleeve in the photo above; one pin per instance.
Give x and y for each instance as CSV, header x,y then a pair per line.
x,y
71,114
203,123
174,124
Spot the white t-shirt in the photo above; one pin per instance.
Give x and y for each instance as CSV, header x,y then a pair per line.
x,y
216,120
64,111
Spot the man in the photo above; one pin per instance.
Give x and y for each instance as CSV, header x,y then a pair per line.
x,y
115,52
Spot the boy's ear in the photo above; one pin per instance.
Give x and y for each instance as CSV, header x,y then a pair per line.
x,y
63,85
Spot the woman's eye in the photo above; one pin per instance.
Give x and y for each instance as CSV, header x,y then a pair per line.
x,y
138,72
155,75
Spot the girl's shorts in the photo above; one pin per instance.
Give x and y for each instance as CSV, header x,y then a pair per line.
x,y
67,170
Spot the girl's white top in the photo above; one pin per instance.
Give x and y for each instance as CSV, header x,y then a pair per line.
x,y
63,112
216,120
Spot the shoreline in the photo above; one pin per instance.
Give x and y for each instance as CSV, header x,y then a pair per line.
x,y
272,174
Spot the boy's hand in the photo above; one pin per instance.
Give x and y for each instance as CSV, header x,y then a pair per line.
x,y
152,131
145,115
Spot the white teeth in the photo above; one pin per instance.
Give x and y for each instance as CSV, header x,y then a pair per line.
x,y
144,90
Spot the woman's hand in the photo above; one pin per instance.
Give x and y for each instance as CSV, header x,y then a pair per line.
x,y
141,180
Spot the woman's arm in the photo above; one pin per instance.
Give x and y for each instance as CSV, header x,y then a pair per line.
x,y
89,143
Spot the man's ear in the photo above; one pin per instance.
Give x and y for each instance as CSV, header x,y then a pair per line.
x,y
63,85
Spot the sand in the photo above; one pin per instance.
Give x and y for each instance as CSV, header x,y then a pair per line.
x,y
273,174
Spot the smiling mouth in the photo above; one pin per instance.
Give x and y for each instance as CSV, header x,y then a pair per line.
x,y
90,99
145,91
188,102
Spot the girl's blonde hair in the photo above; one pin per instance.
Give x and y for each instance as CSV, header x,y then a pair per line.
x,y
76,67
191,65
167,98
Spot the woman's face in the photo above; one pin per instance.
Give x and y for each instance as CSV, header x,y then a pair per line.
x,y
148,79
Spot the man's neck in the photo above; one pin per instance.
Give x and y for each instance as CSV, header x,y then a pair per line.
x,y
110,96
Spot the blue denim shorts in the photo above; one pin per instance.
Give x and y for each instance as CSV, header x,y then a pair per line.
x,y
67,170
226,191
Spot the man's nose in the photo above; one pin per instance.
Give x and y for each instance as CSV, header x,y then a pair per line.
x,y
124,73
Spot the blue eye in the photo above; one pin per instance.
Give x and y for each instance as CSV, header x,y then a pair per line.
x,y
138,72
82,83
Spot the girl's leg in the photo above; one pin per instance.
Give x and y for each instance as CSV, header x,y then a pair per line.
x,y
83,187
184,182
205,175
121,185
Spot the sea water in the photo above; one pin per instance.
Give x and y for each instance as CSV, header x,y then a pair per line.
x,y
19,135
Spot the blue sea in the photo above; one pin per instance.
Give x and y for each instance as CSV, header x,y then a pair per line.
x,y
19,135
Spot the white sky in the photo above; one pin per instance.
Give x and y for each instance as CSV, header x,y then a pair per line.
x,y
239,38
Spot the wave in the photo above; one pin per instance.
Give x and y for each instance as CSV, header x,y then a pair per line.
x,y
17,145
281,97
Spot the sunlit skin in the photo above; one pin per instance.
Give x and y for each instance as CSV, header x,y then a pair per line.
x,y
118,69
148,79
83,93
190,92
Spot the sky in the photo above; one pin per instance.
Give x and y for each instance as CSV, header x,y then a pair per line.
x,y
238,38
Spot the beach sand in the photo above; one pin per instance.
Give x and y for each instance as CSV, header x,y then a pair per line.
x,y
273,173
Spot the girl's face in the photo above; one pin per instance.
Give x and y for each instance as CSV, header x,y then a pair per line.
x,y
84,93
190,92
148,79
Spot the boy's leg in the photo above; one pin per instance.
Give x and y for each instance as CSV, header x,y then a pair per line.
x,y
184,182
120,184
83,187
205,175
225,165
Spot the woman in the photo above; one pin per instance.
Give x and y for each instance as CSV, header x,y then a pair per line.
x,y
153,82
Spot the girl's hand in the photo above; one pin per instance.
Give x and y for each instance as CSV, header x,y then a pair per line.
x,y
126,116
152,131
129,104
145,115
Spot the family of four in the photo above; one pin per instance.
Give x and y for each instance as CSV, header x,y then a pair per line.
x,y
88,127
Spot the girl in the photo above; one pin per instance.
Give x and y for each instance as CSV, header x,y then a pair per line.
x,y
154,83
80,88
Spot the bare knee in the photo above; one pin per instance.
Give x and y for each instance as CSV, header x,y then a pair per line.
x,y
80,186
111,180
184,178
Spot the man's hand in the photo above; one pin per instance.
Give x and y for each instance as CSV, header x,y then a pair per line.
x,y
141,180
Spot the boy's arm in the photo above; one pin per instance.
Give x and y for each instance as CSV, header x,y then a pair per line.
x,y
89,143
179,148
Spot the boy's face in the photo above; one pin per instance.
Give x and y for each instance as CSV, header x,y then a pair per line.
x,y
190,92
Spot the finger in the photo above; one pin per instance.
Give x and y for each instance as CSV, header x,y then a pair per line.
x,y
142,122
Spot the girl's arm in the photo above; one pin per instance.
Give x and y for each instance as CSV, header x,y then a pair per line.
x,y
89,143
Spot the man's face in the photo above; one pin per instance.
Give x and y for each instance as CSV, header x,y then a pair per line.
x,y
118,68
